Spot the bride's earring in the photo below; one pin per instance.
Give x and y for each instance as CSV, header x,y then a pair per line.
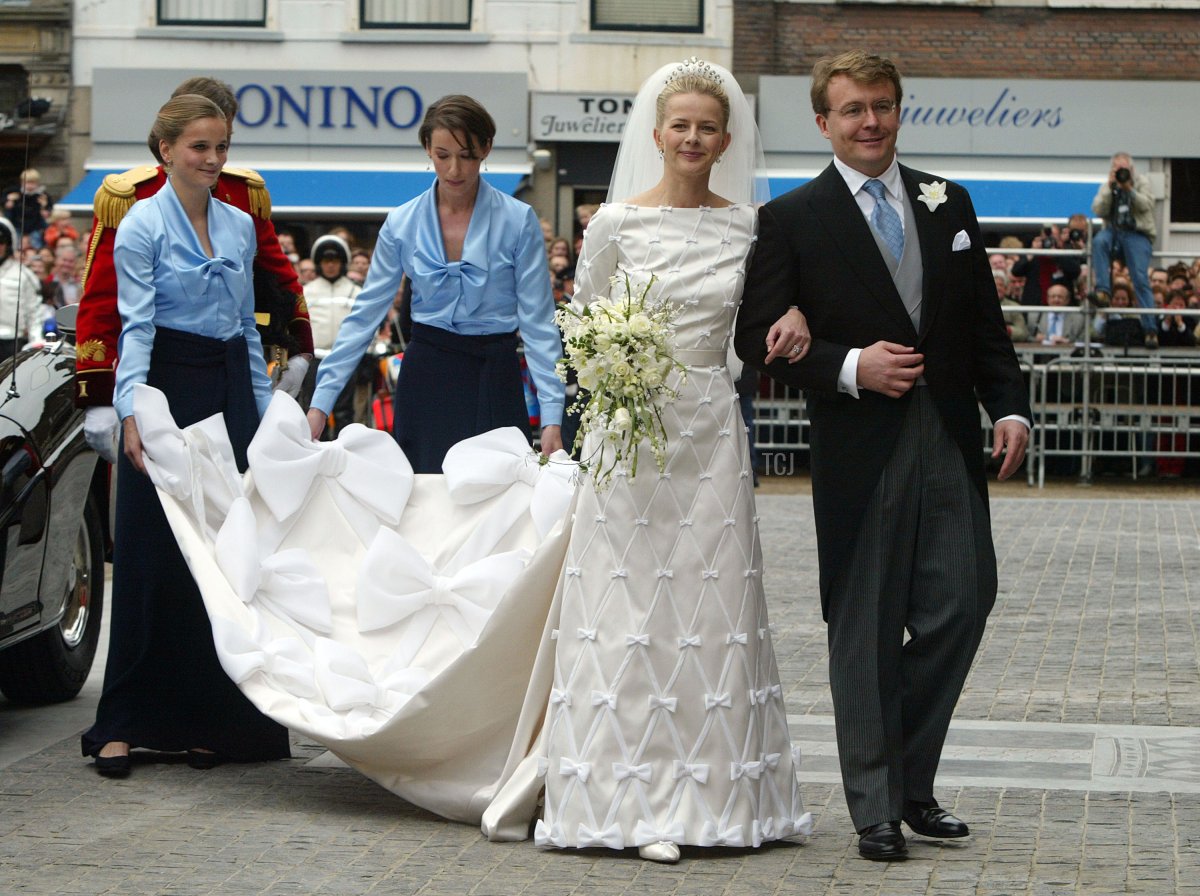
x,y
660,154
721,156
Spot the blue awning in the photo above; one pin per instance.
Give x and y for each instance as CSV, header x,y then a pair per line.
x,y
1036,200
322,191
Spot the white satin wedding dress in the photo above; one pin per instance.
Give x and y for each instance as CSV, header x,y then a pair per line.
x,y
665,720
394,618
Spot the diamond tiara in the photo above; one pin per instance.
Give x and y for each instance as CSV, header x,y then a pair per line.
x,y
696,67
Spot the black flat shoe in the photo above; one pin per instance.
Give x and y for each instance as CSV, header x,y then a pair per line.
x,y
882,842
934,821
113,766
204,760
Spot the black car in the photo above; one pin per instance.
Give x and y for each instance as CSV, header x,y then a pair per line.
x,y
53,528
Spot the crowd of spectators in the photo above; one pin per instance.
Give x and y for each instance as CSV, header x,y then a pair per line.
x,y
49,245
53,248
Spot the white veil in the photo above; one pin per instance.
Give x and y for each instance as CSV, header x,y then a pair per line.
x,y
739,177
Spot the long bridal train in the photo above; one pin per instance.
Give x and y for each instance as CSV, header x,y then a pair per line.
x,y
394,618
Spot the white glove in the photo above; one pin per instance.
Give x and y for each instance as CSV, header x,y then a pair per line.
x,y
101,430
292,379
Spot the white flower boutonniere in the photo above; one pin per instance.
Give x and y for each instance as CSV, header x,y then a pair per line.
x,y
933,194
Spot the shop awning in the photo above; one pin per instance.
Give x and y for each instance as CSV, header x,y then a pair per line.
x,y
1001,198
311,191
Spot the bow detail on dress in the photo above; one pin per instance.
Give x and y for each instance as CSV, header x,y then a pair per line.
x,y
621,771
489,464
368,475
569,768
697,771
645,834
610,837
348,683
712,701
286,583
396,583
193,465
243,654
711,836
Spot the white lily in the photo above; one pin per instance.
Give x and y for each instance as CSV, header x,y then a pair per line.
x,y
933,194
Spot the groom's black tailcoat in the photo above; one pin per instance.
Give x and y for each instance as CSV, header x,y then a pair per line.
x,y
815,251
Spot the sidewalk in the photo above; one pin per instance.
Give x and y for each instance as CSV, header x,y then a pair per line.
x,y
1075,756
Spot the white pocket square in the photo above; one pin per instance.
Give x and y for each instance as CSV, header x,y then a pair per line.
x,y
961,241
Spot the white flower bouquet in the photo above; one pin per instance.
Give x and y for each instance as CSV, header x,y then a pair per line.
x,y
622,352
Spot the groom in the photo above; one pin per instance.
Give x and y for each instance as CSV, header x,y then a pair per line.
x,y
888,266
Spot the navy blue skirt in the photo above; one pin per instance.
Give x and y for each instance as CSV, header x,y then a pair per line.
x,y
452,387
164,688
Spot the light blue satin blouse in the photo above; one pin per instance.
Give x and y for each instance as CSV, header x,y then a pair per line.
x,y
165,279
501,284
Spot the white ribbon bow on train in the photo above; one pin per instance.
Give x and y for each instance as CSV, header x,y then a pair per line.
x,y
396,584
368,475
194,465
287,583
489,464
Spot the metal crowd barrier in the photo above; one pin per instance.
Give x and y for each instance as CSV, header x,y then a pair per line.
x,y
1122,407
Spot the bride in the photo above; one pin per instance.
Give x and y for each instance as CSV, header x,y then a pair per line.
x,y
666,723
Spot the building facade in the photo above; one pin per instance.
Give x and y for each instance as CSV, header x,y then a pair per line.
x,y
332,92
1024,100
35,90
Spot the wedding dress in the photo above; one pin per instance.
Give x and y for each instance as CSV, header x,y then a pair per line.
x,y
665,720
392,617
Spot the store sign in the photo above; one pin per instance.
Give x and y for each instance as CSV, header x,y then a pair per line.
x,y
312,108
579,117
956,116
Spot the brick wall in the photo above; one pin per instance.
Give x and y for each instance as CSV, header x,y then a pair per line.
x,y
940,41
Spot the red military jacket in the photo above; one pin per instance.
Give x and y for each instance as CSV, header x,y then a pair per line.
x,y
278,293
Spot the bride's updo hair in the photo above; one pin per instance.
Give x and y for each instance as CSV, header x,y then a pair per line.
x,y
693,76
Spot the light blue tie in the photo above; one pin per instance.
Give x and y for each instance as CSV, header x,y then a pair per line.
x,y
885,220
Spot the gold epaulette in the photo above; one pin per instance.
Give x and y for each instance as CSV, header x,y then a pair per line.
x,y
118,193
256,187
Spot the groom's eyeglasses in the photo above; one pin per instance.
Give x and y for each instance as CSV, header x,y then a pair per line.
x,y
855,111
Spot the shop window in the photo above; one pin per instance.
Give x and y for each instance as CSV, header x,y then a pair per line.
x,y
240,13
638,15
1185,191
415,13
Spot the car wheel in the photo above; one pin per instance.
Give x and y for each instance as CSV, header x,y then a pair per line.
x,y
52,666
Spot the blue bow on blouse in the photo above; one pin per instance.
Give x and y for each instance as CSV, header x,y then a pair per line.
x,y
452,283
216,267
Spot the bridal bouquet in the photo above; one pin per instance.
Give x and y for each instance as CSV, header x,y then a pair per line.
x,y
622,351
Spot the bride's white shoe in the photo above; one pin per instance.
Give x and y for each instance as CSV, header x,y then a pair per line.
x,y
663,851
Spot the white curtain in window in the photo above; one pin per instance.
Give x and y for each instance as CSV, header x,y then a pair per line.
x,y
212,10
417,12
660,13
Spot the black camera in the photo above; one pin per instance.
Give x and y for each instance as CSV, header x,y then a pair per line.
x,y
1123,175
1076,235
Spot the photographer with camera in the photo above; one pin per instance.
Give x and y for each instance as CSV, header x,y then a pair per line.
x,y
1127,207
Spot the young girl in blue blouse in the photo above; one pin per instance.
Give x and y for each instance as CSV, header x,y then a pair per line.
x,y
184,268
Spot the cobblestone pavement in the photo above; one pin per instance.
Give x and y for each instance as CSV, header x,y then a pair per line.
x,y
1075,757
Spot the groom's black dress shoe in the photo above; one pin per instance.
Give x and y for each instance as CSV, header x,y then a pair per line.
x,y
882,842
931,820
